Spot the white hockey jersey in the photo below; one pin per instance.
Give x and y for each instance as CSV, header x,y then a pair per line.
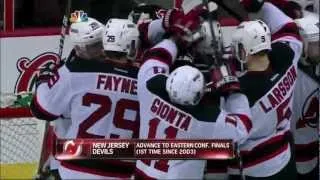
x,y
306,120
102,100
270,93
60,127
162,119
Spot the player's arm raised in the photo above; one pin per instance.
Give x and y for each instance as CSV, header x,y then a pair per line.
x,y
235,118
282,27
182,33
52,95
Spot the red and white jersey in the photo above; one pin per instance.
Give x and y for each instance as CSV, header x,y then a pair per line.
x,y
162,119
306,120
101,99
270,93
60,127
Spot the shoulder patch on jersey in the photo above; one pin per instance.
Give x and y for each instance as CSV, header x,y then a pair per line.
x,y
87,66
202,112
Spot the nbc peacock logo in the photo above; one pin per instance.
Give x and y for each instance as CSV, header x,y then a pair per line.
x,y
78,16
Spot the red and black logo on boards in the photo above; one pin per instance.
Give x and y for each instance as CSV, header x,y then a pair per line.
x,y
29,70
309,116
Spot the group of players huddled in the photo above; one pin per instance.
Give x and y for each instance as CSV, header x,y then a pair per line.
x,y
167,74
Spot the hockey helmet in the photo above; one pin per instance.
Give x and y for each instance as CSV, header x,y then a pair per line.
x,y
185,86
249,38
121,35
309,30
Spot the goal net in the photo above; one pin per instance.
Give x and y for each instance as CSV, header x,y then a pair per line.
x,y
21,140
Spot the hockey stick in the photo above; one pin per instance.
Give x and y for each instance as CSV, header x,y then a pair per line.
x,y
65,22
64,28
218,56
212,7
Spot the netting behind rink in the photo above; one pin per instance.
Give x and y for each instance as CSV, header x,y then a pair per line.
x,y
21,138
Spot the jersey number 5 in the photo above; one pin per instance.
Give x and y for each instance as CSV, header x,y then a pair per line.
x,y
284,110
105,107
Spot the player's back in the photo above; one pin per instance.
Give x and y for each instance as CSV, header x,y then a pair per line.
x,y
270,94
102,99
306,120
162,119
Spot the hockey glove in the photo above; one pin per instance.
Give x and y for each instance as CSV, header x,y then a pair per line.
x,y
46,73
184,27
224,80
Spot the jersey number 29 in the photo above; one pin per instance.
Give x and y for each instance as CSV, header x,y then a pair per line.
x,y
119,120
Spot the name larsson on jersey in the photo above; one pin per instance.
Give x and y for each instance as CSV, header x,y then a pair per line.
x,y
279,92
170,114
117,83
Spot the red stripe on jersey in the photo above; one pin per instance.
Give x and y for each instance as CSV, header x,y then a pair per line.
x,y
160,54
42,110
265,151
141,175
290,29
307,152
116,169
245,121
266,157
231,120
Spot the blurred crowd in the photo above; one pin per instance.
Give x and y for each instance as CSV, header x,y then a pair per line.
x,y
38,13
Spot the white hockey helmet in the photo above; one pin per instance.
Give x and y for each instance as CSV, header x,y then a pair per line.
x,y
86,32
249,38
185,86
205,46
121,35
309,30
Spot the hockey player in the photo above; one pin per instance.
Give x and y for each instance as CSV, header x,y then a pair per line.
x,y
97,93
306,100
306,94
171,107
269,74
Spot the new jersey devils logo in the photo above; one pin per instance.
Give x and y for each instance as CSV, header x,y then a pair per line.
x,y
72,149
29,69
310,111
